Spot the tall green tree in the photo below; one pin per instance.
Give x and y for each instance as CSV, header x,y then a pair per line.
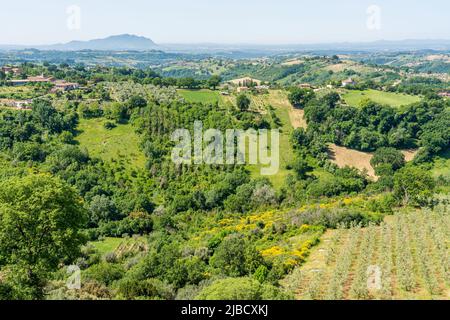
x,y
40,227
243,102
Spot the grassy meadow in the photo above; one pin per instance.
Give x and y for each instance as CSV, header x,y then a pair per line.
x,y
355,97
119,145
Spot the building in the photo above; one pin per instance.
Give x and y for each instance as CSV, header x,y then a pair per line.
x,y
305,86
12,70
246,82
242,89
62,85
444,94
36,79
348,82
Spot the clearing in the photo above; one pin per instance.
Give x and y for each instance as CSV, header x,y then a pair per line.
x,y
118,145
355,97
282,108
343,156
200,96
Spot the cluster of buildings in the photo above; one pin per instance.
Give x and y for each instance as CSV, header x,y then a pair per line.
x,y
247,84
58,85
16,71
348,82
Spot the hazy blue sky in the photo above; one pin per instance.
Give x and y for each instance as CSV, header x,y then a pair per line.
x,y
224,21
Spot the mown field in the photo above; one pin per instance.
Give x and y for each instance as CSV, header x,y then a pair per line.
x,y
119,145
406,257
355,97
200,96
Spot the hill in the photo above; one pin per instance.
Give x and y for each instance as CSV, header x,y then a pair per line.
x,y
112,43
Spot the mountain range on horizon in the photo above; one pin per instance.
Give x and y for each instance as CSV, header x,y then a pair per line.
x,y
129,42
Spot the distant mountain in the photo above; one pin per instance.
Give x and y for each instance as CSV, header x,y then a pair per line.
x,y
113,43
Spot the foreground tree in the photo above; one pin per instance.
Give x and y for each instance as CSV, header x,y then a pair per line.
x,y
40,228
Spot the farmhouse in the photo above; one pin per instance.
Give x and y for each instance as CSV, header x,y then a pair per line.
x,y
62,85
348,82
12,70
37,79
246,82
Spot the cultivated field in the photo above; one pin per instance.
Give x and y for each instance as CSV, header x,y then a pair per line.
x,y
407,257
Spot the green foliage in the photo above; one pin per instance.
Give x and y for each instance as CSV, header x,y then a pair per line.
x,y
235,257
300,97
104,272
243,102
387,156
241,289
40,222
413,186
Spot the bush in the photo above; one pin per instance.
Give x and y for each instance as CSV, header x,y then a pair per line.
x,y
235,257
105,273
241,289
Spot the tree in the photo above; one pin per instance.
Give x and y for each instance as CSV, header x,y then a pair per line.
x,y
301,168
388,156
413,185
300,97
234,257
214,81
243,102
40,227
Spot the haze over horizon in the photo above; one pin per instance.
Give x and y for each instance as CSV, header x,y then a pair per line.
x,y
224,22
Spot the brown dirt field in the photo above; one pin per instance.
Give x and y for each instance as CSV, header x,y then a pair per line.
x,y
360,160
292,62
297,117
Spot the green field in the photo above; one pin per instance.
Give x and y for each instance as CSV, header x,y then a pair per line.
x,y
278,100
107,244
355,97
120,145
200,96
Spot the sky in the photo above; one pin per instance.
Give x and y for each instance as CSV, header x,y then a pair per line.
x,y
31,22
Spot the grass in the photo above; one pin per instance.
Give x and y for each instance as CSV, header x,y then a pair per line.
x,y
278,100
355,97
441,165
200,96
119,145
107,245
